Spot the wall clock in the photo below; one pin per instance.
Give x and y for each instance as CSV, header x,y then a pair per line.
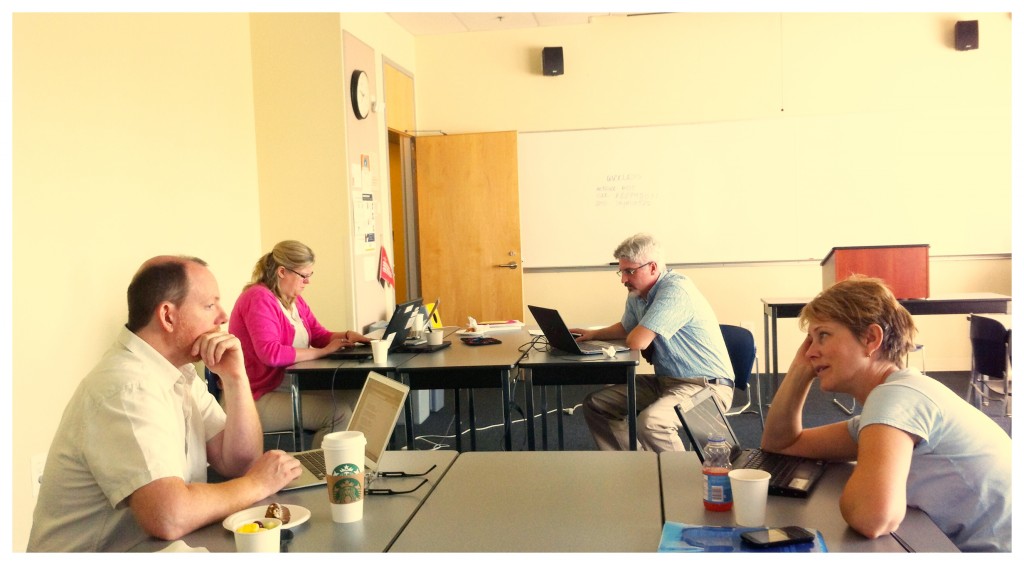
x,y
360,94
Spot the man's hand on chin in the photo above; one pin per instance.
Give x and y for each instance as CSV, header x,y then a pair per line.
x,y
221,352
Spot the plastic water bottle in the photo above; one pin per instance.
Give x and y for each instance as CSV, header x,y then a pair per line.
x,y
717,464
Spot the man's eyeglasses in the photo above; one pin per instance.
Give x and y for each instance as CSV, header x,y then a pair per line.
x,y
632,271
301,276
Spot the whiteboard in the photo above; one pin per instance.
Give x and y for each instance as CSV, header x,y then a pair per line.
x,y
764,190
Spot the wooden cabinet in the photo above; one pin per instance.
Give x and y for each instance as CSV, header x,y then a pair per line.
x,y
903,267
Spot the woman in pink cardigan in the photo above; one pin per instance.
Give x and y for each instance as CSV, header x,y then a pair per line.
x,y
277,328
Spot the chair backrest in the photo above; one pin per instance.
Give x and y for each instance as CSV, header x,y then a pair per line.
x,y
742,351
213,383
988,346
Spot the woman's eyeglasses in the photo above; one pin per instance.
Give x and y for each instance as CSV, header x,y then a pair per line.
x,y
301,276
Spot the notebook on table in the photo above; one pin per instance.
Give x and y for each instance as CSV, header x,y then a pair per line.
x,y
791,476
559,336
397,326
376,413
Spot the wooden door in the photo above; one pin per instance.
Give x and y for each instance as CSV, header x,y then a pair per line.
x,y
467,197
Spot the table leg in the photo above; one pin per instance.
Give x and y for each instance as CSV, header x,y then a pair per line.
x,y
775,352
458,420
531,443
506,400
561,433
631,405
472,419
767,353
410,437
543,418
297,439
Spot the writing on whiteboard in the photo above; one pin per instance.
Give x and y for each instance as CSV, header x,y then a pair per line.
x,y
623,191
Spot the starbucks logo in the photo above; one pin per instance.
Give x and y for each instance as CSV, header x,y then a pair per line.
x,y
346,470
346,491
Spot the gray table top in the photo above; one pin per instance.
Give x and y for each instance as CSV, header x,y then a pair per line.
x,y
588,501
383,515
462,356
682,493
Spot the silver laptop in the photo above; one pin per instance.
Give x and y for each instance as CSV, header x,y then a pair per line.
x,y
376,413
559,336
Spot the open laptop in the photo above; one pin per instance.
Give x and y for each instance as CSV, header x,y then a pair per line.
x,y
791,476
559,336
376,413
398,325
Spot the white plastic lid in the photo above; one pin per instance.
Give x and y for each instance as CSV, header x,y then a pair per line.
x,y
343,440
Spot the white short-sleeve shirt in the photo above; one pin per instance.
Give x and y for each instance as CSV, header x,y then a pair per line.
x,y
134,419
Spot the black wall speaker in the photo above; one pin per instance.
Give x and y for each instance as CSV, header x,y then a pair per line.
x,y
553,63
966,33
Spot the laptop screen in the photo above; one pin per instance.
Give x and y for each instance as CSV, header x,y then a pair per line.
x,y
554,328
376,414
705,418
399,324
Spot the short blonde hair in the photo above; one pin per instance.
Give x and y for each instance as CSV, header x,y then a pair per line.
x,y
859,302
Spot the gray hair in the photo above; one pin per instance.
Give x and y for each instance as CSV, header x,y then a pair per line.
x,y
640,248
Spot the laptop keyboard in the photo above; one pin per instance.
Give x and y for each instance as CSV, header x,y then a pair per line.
x,y
777,466
314,461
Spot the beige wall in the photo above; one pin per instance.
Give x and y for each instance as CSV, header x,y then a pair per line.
x,y
133,136
693,68
137,135
686,68
300,101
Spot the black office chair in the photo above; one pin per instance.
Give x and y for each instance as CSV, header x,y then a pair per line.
x,y
743,355
990,362
212,383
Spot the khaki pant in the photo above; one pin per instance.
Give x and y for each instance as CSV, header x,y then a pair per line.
x,y
657,424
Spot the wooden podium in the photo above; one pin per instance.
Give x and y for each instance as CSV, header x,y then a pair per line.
x,y
903,267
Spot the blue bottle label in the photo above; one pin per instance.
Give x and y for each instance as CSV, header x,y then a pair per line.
x,y
717,488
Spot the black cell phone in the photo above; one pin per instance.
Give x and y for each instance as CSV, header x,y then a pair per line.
x,y
480,340
776,537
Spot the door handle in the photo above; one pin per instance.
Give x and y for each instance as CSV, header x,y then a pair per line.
x,y
509,265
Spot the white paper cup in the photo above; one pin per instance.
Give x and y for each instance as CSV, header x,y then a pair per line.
x,y
435,337
345,458
749,495
263,541
380,351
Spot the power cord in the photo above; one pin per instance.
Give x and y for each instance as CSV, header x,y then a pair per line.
x,y
568,411
539,343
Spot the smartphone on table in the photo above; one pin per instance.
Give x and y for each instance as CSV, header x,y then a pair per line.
x,y
777,537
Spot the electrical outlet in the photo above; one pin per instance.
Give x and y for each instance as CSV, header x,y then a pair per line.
x,y
38,463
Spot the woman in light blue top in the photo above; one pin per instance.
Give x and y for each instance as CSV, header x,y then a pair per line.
x,y
916,443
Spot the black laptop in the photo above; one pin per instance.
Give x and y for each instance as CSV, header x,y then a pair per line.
x,y
559,336
398,326
791,476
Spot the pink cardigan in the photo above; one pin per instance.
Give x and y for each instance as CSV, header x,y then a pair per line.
x,y
258,321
